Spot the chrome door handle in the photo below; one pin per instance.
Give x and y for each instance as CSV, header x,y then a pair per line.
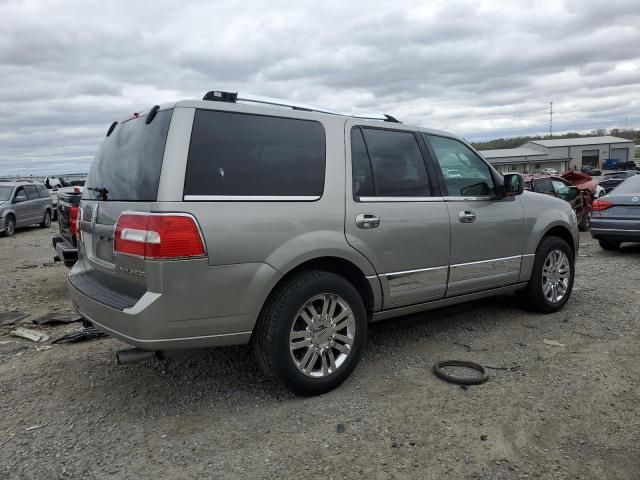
x,y
367,220
466,216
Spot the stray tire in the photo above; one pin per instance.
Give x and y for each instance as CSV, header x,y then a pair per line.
x,y
9,226
608,245
310,334
46,221
552,277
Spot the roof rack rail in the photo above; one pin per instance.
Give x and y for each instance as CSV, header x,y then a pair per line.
x,y
234,97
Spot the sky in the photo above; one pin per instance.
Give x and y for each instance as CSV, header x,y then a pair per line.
x,y
481,69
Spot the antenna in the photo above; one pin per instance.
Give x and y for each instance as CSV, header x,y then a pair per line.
x,y
550,119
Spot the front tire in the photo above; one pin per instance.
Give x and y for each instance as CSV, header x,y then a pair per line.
x,y
311,333
9,226
552,277
609,245
46,221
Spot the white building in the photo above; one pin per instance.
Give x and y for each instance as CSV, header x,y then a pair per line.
x,y
524,160
592,151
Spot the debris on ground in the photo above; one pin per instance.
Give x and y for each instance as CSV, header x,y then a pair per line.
x,y
53,318
10,318
552,343
29,334
88,333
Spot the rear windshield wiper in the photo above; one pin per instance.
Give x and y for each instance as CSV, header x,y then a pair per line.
x,y
103,192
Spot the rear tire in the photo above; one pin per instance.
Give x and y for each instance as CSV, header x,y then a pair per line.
x,y
332,338
609,245
552,277
9,226
46,221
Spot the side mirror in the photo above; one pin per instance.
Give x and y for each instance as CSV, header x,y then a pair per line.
x,y
21,197
513,184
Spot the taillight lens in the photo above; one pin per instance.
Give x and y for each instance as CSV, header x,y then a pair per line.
x,y
599,205
158,236
73,220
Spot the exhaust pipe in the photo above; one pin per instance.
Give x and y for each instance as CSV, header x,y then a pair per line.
x,y
134,355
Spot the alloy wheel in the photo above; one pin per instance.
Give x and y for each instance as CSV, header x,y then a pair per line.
x,y
322,335
556,273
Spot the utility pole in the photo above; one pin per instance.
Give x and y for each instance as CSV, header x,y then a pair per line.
x,y
550,119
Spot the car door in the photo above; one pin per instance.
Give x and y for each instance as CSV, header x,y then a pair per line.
x,y
487,233
395,215
21,208
34,204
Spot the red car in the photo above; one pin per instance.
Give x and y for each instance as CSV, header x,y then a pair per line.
x,y
579,195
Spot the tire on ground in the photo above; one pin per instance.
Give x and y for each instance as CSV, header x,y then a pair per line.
x,y
533,294
46,221
271,335
608,244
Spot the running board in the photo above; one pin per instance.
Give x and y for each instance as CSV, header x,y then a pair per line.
x,y
445,302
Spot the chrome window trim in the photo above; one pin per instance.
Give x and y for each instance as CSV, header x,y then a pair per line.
x,y
398,199
250,198
467,199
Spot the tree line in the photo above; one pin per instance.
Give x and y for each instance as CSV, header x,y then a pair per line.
x,y
630,134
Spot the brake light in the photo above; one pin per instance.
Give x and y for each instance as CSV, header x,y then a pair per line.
x,y
73,221
158,236
599,205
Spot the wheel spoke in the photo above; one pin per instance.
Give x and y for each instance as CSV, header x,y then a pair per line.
x,y
325,365
314,358
332,360
307,356
342,323
299,334
547,288
342,348
297,345
306,317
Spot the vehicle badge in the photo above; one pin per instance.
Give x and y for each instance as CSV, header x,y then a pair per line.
x,y
635,199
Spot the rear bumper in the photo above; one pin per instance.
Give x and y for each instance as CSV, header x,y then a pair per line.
x,y
188,314
620,230
64,251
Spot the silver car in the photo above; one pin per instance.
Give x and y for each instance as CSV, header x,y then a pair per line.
x,y
231,220
23,204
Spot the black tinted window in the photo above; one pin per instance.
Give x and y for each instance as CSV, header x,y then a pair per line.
x,y
42,190
362,175
234,154
397,163
543,185
32,192
464,172
128,164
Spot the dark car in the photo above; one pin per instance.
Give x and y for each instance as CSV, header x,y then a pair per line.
x,y
612,180
579,198
65,243
593,171
616,216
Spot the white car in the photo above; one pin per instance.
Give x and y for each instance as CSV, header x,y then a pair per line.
x,y
549,171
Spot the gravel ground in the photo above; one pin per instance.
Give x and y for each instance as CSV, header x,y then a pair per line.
x,y
561,412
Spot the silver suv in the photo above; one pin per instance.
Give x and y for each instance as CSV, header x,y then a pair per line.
x,y
22,204
232,220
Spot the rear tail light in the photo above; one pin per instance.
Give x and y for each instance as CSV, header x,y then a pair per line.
x,y
158,236
73,220
599,205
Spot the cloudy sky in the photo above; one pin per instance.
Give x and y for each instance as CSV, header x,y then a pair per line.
x,y
483,69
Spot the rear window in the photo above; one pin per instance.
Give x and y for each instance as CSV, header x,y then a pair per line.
x,y
243,155
32,192
128,164
42,190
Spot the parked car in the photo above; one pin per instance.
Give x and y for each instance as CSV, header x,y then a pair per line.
x,y
584,181
593,171
580,199
23,204
65,243
615,164
612,180
218,222
549,171
616,216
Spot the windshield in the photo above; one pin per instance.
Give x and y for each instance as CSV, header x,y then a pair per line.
x,y
5,193
128,163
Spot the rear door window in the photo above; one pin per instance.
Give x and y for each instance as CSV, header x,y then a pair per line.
x,y
32,192
544,185
42,191
254,157
464,172
128,164
388,163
